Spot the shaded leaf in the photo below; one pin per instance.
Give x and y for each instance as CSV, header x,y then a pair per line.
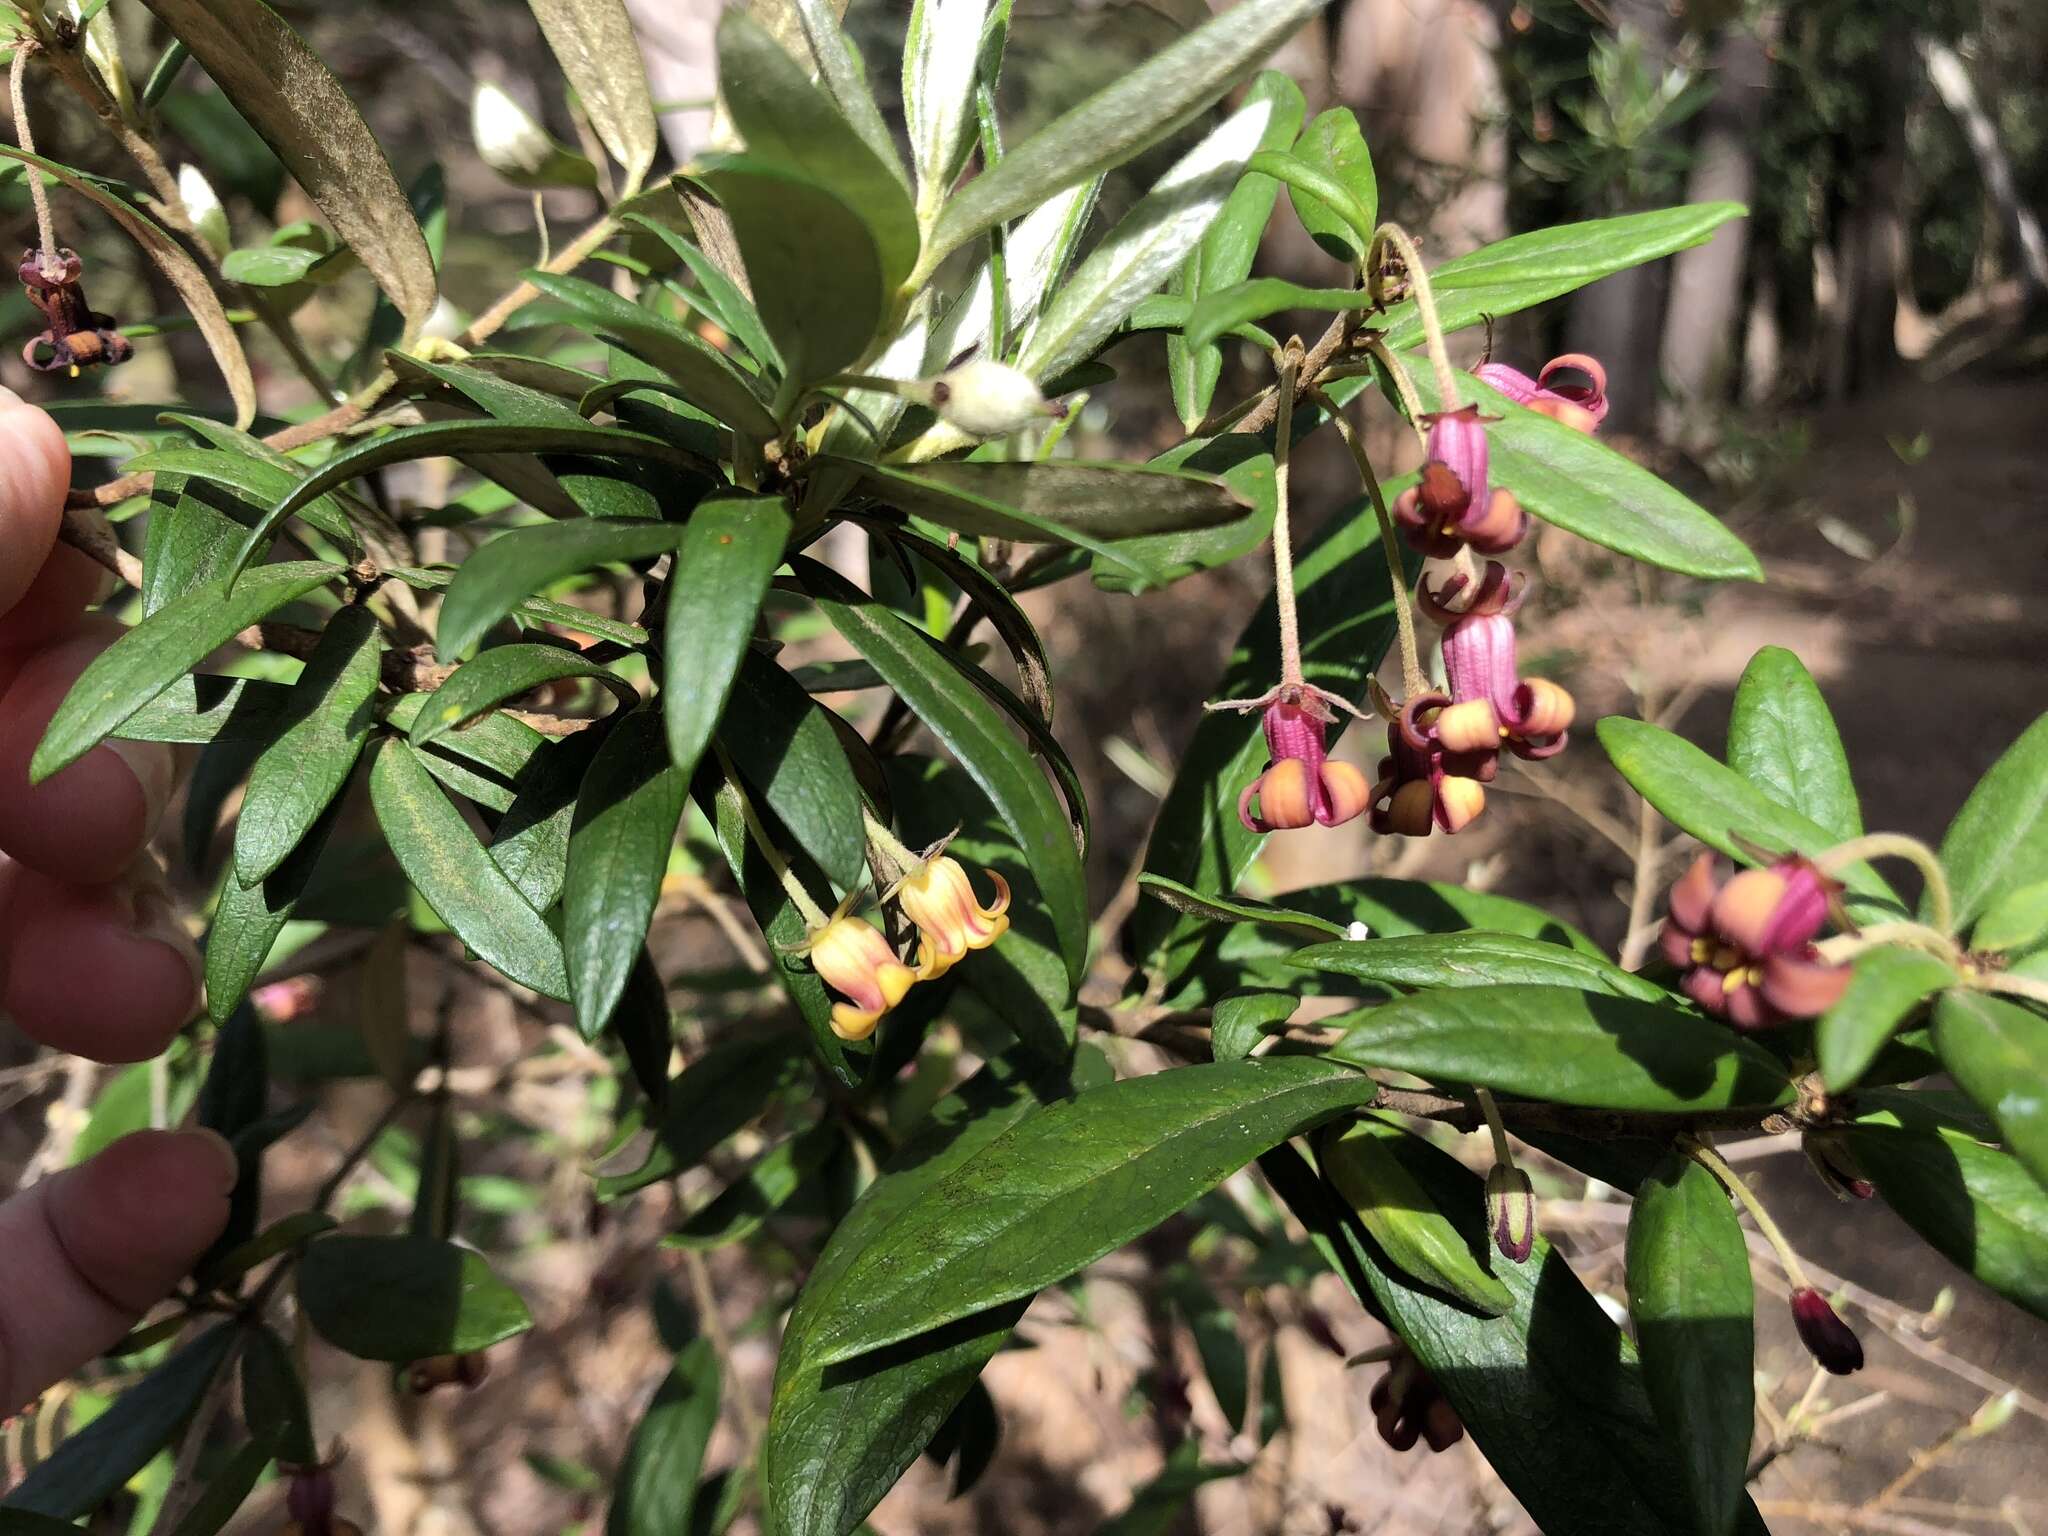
x,y
1998,1052
655,1493
1242,1019
714,1096
593,42
724,562
498,577
1999,839
403,1299
785,748
1473,959
505,672
1887,986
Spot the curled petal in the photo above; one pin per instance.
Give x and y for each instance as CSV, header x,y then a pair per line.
x,y
1458,802
1495,525
939,899
1675,944
852,957
1285,799
1747,1008
1704,986
1747,908
1804,908
1512,382
1802,986
1424,529
1542,710
1469,727
1345,794
1582,406
1692,897
1410,810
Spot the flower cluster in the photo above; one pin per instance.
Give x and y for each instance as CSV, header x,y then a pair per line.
x,y
1744,948
854,958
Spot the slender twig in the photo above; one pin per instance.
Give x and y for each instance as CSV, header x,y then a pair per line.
x,y
1413,680
1425,305
1642,894
1879,845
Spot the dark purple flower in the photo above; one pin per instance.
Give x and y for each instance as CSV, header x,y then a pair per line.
x,y
1453,505
1408,1405
1830,1340
1300,786
1491,704
1423,782
78,336
1745,948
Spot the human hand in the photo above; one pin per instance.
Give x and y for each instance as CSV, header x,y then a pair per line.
x,y
92,959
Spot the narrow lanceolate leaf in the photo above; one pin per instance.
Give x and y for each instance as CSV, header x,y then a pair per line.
x,y
1999,839
1338,199
1525,270
1137,256
1117,122
498,577
91,1465
1365,1169
1082,504
812,261
405,1298
626,817
289,97
969,727
181,270
1473,959
728,555
729,306
159,651
1998,1052
257,480
1239,909
1035,257
705,378
1567,1046
248,919
505,672
1973,1203
1550,1392
442,857
1223,310
201,707
531,843
715,1095
1690,1294
941,60
1069,1184
593,42
789,122
1581,485
839,66
300,773
1888,985
655,1493
1782,738
1723,809
838,1440
787,751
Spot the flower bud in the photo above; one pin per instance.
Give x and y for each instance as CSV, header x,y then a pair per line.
x,y
1830,1340
508,140
990,399
203,208
1511,1212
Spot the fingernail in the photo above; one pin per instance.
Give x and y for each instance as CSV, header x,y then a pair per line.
x,y
154,769
230,1165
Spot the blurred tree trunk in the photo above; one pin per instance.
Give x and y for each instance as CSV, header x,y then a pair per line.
x,y
678,43
1620,318
1861,351
1702,326
2022,229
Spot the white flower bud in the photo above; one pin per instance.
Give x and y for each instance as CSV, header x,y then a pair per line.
x,y
990,399
507,138
203,208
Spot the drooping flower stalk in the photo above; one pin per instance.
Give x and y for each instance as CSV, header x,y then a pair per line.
x,y
813,915
1283,531
46,228
1413,679
1425,306
1896,845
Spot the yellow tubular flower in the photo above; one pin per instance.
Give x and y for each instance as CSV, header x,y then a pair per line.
x,y
938,897
853,957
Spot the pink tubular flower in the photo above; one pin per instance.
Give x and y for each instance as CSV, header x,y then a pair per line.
x,y
1491,704
1300,785
1424,782
1452,504
1745,948
1581,406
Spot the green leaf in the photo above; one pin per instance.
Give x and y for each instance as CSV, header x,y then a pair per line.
x,y
1238,909
153,655
1567,1046
1141,252
766,1185
626,818
1690,1295
1887,986
593,42
92,1465
1215,1329
1717,805
291,98
838,1439
1339,204
496,578
2016,920
727,557
1069,1184
1364,1169
790,124
257,480
301,772
1581,485
273,1396
941,64
728,305
1524,270
1242,1019
1972,1203
531,843
713,1097
964,722
190,539
441,856
839,67
403,1299
1118,122
1550,1392
1473,959
248,918
270,266
785,748
228,1487
176,265
287,1232
199,708
1782,738
656,1489
1224,310
812,262
1999,839
1347,622
705,377
505,672
1003,612
1997,1052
